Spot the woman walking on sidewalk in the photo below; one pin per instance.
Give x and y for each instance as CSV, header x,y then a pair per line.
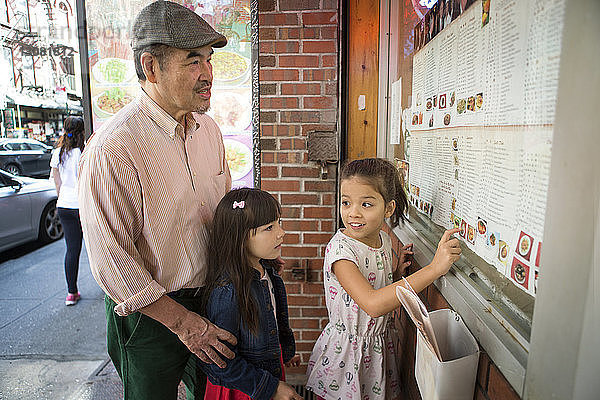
x,y
64,162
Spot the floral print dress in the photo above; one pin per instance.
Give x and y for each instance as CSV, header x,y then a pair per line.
x,y
354,356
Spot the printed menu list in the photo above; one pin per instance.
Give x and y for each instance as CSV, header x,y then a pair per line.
x,y
480,130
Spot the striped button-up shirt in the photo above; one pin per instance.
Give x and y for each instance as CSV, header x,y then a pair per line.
x,y
147,188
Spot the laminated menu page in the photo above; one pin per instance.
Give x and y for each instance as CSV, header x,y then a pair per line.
x,y
479,129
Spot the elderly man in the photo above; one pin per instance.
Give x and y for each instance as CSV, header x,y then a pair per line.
x,y
149,182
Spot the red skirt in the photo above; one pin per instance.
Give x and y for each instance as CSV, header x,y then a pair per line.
x,y
216,392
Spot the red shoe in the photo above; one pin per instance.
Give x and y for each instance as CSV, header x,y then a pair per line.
x,y
72,299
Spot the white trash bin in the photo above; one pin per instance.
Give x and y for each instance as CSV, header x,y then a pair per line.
x,y
453,378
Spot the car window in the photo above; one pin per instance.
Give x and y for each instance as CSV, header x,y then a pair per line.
x,y
36,146
17,146
3,181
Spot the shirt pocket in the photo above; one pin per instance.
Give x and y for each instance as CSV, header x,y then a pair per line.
x,y
216,189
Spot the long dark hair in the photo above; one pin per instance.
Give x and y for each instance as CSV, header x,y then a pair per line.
x,y
383,177
238,213
74,136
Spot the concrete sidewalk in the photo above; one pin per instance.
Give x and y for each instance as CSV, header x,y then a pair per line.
x,y
104,384
62,380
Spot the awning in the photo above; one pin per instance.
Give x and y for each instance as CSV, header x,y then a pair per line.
x,y
42,102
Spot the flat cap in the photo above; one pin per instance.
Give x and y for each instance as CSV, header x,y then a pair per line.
x,y
169,23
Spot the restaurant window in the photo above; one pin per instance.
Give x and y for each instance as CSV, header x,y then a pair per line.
x,y
18,15
468,95
27,71
3,12
113,82
6,66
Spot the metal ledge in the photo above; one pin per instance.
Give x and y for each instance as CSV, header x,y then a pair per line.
x,y
505,346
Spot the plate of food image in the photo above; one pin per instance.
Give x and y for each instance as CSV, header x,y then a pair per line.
x,y
231,110
447,119
481,227
502,251
428,104
520,273
456,222
463,229
229,68
471,103
113,71
492,239
452,98
479,100
471,234
239,158
109,102
524,245
461,105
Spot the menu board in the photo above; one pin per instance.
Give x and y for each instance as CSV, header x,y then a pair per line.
x,y
479,129
114,83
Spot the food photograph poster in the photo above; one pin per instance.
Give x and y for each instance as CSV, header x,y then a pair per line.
x,y
114,83
478,131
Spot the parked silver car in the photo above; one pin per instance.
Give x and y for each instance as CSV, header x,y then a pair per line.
x,y
21,156
27,211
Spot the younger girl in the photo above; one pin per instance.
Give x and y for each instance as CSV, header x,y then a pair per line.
x,y
64,171
353,358
246,296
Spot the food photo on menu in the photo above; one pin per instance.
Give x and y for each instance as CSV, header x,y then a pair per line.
x,y
481,226
519,272
503,250
524,245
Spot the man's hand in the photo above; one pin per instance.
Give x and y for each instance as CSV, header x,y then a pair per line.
x,y
199,335
285,392
205,339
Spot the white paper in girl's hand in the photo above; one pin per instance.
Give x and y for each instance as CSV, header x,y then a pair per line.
x,y
419,315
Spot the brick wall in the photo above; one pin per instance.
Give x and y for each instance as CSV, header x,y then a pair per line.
x,y
490,383
298,93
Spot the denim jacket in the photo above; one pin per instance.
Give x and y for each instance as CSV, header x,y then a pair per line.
x,y
256,368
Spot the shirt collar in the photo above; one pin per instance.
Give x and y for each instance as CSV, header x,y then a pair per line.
x,y
164,120
268,270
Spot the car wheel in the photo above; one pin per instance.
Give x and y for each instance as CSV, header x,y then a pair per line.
x,y
50,226
13,169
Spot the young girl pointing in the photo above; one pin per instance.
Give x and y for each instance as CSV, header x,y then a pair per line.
x,y
353,358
